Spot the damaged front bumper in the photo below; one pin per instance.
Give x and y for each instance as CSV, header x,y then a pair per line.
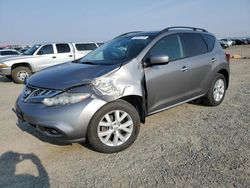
x,y
66,123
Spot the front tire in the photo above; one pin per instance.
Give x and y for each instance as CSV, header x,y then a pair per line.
x,y
217,91
114,127
20,73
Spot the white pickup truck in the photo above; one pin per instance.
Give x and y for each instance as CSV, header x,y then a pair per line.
x,y
41,56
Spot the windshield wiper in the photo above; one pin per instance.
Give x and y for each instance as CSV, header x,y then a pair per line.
x,y
88,62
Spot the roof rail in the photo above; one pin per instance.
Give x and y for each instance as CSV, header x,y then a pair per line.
x,y
182,27
128,33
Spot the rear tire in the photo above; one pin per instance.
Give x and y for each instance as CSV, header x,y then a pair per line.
x,y
20,73
114,127
217,91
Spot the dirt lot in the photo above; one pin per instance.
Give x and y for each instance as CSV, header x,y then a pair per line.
x,y
187,146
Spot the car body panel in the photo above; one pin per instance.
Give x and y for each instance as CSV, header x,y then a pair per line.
x,y
69,74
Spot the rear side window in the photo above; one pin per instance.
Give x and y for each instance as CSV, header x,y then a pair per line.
x,y
46,49
170,46
194,44
9,53
62,48
82,47
210,41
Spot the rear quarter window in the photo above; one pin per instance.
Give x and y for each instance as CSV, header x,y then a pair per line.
x,y
194,44
82,46
210,41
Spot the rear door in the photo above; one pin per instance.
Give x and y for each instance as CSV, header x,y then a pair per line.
x,y
64,53
200,60
167,84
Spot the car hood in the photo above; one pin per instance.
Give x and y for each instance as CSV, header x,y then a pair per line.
x,y
67,75
11,57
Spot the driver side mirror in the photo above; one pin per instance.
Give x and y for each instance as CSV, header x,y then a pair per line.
x,y
40,52
156,60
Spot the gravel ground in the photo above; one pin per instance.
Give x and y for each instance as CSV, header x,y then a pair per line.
x,y
188,146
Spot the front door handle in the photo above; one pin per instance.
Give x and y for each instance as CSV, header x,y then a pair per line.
x,y
184,69
53,57
70,55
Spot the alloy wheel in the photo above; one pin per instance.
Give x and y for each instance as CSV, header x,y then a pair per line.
x,y
115,128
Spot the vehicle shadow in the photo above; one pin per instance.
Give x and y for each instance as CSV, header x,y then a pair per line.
x,y
31,130
8,165
198,102
4,79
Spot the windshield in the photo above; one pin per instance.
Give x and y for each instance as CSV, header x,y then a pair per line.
x,y
32,50
117,50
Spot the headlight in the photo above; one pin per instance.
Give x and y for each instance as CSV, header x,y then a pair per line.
x,y
2,65
65,98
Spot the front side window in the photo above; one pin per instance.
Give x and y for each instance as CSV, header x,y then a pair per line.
x,y
170,46
32,50
62,48
46,49
194,44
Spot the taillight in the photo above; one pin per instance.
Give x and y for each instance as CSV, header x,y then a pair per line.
x,y
227,56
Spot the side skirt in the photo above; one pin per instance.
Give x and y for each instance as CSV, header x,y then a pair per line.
x,y
154,112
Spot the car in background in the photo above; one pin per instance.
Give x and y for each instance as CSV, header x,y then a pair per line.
x,y
238,41
229,42
9,52
245,40
223,44
248,40
41,56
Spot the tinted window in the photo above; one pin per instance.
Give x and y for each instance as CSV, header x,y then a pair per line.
x,y
194,44
82,47
9,53
47,49
62,48
171,46
210,41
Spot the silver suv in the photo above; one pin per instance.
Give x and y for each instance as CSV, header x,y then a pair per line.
x,y
107,94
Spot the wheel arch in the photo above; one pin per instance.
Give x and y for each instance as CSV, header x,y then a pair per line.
x,y
138,103
225,73
25,64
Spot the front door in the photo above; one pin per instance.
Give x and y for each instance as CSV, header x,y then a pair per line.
x,y
167,84
45,57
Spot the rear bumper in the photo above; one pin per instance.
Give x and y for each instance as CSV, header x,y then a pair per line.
x,y
5,71
66,123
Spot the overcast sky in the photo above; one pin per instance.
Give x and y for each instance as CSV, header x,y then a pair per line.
x,y
35,21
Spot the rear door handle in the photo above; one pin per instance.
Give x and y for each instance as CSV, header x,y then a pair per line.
x,y
213,60
184,69
54,57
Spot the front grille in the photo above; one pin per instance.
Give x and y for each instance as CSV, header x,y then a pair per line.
x,y
34,92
